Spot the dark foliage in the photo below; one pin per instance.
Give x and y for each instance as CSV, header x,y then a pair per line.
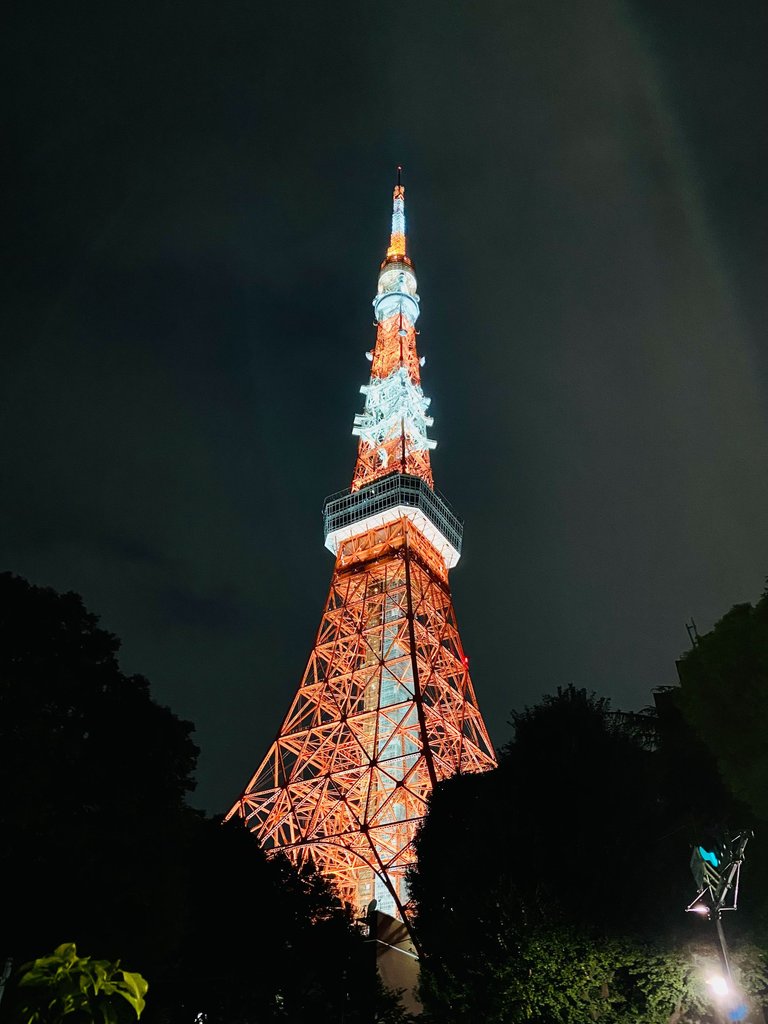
x,y
724,698
723,703
263,942
99,847
554,887
93,775
577,824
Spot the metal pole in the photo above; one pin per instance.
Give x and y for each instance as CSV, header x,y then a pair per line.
x,y
723,946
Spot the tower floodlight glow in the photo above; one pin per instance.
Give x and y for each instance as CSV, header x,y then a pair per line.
x,y
386,707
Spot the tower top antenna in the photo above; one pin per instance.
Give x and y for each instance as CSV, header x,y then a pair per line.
x,y
397,242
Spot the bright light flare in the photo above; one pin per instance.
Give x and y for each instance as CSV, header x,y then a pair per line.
x,y
718,986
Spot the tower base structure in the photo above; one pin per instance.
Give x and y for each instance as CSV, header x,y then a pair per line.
x,y
385,710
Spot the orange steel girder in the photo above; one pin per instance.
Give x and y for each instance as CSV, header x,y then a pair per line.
x,y
385,709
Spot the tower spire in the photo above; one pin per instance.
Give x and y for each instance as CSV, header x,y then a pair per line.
x,y
397,240
393,427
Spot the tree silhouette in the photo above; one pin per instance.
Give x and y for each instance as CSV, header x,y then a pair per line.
x,y
93,774
100,848
553,888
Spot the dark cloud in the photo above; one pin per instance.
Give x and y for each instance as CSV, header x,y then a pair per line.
x,y
198,205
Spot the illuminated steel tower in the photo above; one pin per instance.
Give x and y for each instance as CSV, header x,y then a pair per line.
x,y
386,707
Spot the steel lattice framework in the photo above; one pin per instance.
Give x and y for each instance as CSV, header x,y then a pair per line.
x,y
386,706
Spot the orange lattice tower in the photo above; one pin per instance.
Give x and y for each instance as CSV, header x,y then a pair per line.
x,y
386,707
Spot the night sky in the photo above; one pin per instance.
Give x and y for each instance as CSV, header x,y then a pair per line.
x,y
196,202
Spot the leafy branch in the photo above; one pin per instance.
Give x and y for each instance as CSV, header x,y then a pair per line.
x,y
54,987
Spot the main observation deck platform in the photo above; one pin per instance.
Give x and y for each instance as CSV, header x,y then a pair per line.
x,y
349,513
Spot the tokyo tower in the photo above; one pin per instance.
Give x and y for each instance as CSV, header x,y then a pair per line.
x,y
386,707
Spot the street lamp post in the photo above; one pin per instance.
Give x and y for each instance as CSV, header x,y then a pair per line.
x,y
717,872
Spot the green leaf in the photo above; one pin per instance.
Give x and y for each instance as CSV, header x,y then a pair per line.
x,y
79,985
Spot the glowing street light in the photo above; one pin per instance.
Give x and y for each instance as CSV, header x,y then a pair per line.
x,y
719,986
